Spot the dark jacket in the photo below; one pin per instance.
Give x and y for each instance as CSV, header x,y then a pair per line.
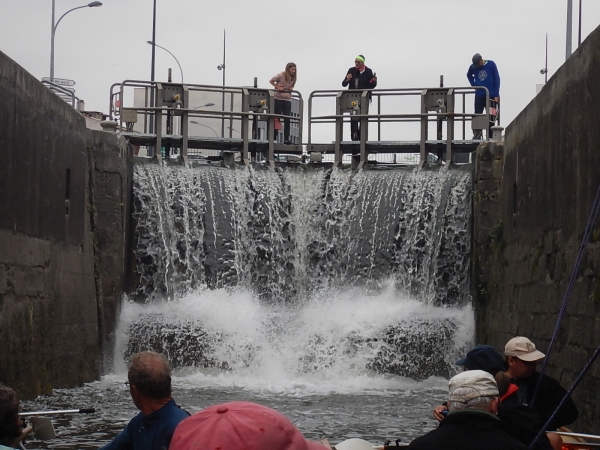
x,y
525,422
151,432
469,429
548,398
360,80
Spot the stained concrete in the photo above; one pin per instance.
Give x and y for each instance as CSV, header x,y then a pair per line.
x,y
532,199
63,216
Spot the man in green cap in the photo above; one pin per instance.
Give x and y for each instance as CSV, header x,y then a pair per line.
x,y
359,77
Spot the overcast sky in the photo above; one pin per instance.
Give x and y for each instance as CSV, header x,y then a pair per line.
x,y
408,43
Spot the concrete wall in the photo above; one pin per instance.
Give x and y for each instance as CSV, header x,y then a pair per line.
x,y
532,200
63,209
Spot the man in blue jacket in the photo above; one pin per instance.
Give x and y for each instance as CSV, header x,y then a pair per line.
x,y
484,73
150,388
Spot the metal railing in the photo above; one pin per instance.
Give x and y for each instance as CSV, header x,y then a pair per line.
x,y
437,105
66,93
164,111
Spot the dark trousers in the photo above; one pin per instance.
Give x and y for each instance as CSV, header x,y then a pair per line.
x,y
479,107
284,107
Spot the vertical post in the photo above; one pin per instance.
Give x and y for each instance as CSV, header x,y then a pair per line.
x,y
450,125
379,117
152,85
339,131
52,45
184,124
231,117
546,66
423,143
569,28
579,33
440,125
223,97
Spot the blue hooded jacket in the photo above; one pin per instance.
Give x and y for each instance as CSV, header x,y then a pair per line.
x,y
487,76
151,432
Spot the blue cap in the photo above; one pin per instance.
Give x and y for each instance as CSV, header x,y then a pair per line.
x,y
482,357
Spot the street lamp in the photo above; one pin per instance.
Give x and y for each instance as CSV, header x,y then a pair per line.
x,y
156,45
55,25
222,67
206,126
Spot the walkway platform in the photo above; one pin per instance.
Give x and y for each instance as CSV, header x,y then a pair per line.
x,y
160,110
233,144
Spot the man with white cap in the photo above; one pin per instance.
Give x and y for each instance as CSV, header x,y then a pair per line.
x,y
471,423
521,359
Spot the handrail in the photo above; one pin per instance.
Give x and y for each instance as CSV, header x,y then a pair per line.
x,y
64,91
159,100
429,113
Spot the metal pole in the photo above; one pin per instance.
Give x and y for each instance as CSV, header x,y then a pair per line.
x,y
55,26
154,44
546,66
152,67
52,45
223,98
579,37
569,28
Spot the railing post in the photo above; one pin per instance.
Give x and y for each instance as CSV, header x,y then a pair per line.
x,y
423,143
450,126
339,131
158,123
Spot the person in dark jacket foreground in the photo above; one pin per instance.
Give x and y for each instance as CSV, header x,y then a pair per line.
x,y
471,423
521,359
525,422
11,433
150,388
359,77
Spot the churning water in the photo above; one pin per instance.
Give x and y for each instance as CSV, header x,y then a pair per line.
x,y
339,299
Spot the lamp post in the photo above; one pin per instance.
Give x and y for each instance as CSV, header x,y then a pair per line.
x,y
222,67
55,25
154,44
569,28
152,67
202,106
205,126
579,39
201,124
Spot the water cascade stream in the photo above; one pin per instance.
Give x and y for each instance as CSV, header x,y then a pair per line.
x,y
296,242
340,299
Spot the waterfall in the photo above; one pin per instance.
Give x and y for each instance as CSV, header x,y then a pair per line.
x,y
309,270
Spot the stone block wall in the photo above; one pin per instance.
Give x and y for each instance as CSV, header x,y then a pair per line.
x,y
533,195
63,214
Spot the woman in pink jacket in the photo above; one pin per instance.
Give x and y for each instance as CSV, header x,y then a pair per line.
x,y
284,83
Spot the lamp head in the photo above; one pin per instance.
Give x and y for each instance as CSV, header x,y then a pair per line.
x,y
221,66
149,42
94,4
210,104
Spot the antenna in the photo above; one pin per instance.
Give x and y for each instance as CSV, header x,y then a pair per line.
x,y
544,71
569,28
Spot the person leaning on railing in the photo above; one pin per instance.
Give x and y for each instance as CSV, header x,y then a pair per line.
x,y
484,72
359,77
284,84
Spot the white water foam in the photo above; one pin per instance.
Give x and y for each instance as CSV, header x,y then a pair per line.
x,y
321,347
